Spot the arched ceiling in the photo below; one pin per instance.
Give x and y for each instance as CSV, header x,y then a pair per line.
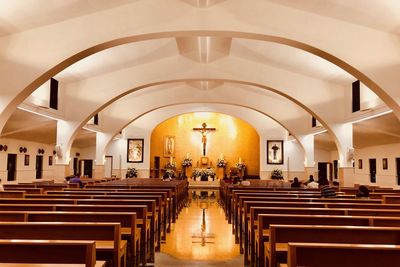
x,y
209,52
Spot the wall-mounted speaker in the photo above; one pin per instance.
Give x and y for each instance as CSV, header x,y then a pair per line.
x,y
40,151
23,149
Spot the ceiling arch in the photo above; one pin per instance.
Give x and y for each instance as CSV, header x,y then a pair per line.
x,y
269,38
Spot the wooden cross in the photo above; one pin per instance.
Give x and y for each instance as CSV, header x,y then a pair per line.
x,y
204,131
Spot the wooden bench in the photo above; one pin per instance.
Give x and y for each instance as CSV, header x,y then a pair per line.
x,y
344,255
107,236
262,233
248,220
12,194
41,253
127,220
280,235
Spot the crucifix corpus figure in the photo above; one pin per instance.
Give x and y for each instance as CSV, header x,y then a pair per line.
x,y
204,131
275,148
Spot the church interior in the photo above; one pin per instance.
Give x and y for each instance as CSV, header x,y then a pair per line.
x,y
173,133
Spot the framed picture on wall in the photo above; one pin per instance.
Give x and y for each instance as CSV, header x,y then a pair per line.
x,y
385,163
50,160
169,146
26,160
360,164
275,152
135,150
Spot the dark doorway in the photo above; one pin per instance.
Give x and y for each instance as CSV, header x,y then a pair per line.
x,y
372,170
39,166
335,169
87,168
76,168
322,170
156,167
398,170
11,166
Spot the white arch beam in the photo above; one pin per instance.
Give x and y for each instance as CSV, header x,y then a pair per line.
x,y
279,24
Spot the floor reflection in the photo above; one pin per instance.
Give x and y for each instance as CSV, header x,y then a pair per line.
x,y
201,232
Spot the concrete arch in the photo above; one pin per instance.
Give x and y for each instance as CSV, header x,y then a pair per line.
x,y
9,108
185,107
341,147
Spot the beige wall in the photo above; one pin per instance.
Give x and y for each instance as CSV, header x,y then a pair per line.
x,y
233,137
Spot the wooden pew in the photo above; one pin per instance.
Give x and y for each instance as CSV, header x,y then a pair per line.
x,y
107,236
265,220
280,235
247,220
142,222
344,255
166,201
127,220
140,210
41,253
27,190
12,194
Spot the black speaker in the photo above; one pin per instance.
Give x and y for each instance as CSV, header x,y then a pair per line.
x,y
53,93
356,101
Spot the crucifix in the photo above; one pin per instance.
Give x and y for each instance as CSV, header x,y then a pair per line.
x,y
204,131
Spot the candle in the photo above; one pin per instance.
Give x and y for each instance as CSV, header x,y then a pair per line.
x,y
240,160
170,160
187,155
221,156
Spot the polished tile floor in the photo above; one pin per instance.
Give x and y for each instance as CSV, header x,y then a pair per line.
x,y
201,235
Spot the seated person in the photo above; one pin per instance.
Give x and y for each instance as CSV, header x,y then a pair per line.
x,y
296,183
311,183
326,189
76,180
363,191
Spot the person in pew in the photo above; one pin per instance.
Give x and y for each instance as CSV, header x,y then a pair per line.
x,y
76,180
311,183
363,191
1,186
326,189
295,183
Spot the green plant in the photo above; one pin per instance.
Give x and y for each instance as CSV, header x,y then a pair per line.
x,y
277,174
131,172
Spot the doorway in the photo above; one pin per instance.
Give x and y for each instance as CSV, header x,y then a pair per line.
x,y
322,170
11,167
156,167
39,166
76,168
398,170
87,166
372,170
108,165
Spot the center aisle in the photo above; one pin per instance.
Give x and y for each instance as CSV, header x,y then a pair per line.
x,y
201,235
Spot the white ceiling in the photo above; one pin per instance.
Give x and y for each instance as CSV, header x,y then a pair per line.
x,y
22,15
383,15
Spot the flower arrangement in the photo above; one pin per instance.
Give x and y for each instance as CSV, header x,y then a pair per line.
x,y
170,173
221,163
203,172
170,165
240,166
187,162
131,172
277,174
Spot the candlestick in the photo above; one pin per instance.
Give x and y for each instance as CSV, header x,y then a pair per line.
x,y
240,160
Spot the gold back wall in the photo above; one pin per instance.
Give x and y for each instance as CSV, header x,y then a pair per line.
x,y
233,138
